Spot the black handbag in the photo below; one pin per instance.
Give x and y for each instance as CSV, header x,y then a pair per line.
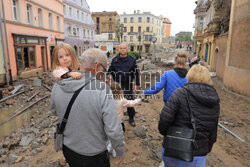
x,y
180,142
58,135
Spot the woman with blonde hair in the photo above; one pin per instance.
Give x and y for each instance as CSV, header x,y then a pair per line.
x,y
171,79
64,61
195,106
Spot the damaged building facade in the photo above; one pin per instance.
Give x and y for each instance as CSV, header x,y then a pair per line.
x,y
30,31
222,40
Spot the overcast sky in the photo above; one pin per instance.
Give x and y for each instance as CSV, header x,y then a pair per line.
x,y
180,12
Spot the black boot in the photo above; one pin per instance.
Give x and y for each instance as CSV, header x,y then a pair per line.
x,y
132,122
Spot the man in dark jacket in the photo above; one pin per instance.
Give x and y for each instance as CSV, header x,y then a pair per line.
x,y
123,69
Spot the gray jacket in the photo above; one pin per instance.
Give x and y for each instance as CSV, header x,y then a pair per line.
x,y
93,117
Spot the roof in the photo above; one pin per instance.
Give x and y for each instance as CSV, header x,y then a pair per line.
x,y
167,21
105,13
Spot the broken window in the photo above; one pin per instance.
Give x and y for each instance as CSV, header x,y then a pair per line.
x,y
25,58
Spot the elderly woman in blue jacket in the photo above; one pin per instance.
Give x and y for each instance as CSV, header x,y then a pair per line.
x,y
171,79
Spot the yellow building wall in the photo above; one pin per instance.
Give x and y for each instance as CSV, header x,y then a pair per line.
x,y
143,26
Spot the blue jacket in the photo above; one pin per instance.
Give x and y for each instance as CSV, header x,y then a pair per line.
x,y
124,71
170,80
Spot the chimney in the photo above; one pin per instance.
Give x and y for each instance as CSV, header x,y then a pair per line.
x,y
138,11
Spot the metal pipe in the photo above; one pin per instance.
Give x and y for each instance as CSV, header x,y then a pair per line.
x,y
3,47
33,96
47,87
20,112
6,98
231,133
7,46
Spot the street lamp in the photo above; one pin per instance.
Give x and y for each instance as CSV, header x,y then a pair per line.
x,y
154,39
121,31
139,39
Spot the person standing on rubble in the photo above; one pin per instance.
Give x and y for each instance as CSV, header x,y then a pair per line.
x,y
93,118
124,70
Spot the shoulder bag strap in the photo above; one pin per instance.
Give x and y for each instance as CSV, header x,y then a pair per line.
x,y
66,115
191,113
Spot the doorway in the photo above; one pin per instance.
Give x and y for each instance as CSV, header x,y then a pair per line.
x,y
51,48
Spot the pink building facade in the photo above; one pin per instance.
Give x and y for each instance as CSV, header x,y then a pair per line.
x,y
33,29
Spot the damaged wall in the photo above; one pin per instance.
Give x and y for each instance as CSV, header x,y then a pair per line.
x,y
237,70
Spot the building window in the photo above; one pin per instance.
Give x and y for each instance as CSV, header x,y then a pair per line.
x,y
92,34
125,38
125,20
64,9
29,14
203,2
110,27
148,19
88,33
40,17
81,2
139,29
131,19
50,21
25,58
201,23
58,23
147,29
78,15
15,9
74,31
131,29
70,11
125,29
110,36
70,30
154,21
110,19
84,35
77,31
140,20
82,16
131,38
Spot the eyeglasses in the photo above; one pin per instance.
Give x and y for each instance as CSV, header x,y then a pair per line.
x,y
104,69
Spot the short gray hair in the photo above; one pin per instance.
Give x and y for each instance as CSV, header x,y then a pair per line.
x,y
92,56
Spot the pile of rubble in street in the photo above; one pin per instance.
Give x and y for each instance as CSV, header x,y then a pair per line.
x,y
29,95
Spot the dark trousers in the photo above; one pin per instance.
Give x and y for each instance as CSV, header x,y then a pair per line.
x,y
77,160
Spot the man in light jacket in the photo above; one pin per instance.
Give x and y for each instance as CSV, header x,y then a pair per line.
x,y
93,118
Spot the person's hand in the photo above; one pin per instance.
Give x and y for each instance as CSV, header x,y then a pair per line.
x,y
108,78
136,88
76,75
120,160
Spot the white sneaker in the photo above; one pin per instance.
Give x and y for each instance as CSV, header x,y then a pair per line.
x,y
109,147
113,153
162,164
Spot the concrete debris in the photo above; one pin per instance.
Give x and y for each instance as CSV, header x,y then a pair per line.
x,y
11,159
17,88
25,141
140,132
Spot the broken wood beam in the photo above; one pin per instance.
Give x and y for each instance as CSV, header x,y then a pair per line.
x,y
23,110
33,96
6,98
47,87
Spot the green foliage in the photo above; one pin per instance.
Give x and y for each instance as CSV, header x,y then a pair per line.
x,y
134,54
186,37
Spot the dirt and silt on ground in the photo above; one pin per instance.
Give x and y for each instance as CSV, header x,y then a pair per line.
x,y
32,145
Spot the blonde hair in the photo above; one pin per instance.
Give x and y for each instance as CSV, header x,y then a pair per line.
x,y
181,58
116,90
68,48
199,74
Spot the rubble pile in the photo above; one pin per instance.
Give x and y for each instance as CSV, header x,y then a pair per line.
x,y
27,141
